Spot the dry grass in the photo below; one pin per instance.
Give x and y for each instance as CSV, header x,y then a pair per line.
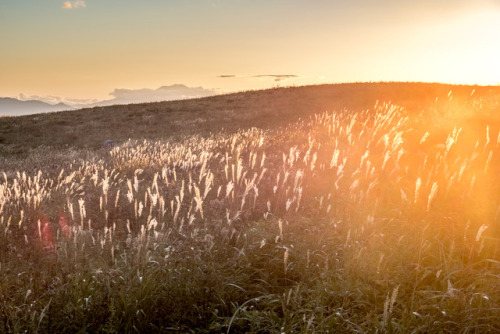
x,y
267,109
380,219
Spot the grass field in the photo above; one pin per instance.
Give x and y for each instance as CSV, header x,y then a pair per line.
x,y
336,208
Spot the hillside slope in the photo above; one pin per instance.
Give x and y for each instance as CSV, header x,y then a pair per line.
x,y
264,109
378,220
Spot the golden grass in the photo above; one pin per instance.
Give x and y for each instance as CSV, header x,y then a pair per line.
x,y
378,196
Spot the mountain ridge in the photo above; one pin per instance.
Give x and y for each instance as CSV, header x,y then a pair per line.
x,y
14,107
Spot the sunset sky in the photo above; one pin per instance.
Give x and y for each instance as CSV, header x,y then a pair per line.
x,y
87,49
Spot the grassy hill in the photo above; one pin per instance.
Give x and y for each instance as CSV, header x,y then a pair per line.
x,y
265,109
296,210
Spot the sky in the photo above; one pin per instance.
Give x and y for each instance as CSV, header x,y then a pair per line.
x,y
88,49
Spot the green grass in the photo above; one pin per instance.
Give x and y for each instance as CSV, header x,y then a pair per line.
x,y
357,219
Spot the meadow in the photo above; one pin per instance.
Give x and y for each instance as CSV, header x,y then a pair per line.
x,y
351,208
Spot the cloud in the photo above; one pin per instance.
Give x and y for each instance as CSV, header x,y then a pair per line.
x,y
275,77
127,96
164,93
50,99
73,4
47,99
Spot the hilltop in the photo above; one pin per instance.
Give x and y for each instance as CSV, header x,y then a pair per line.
x,y
264,109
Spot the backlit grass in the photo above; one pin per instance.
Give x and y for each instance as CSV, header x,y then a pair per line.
x,y
379,219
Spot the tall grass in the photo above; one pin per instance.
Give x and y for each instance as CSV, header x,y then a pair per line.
x,y
349,221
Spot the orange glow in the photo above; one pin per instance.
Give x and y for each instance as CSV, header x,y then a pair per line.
x,y
149,45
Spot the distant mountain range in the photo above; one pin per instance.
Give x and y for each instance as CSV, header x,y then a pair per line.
x,y
14,107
